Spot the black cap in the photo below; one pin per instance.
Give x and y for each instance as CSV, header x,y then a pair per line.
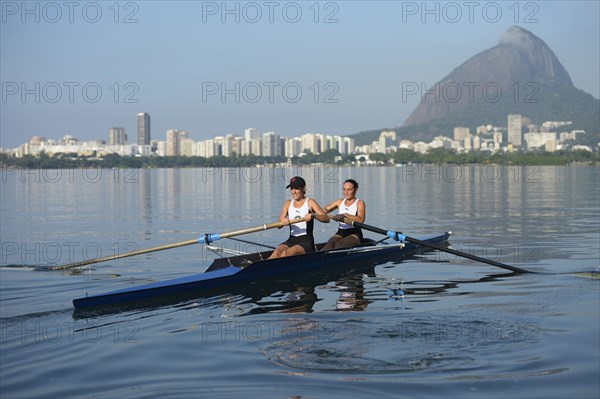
x,y
296,182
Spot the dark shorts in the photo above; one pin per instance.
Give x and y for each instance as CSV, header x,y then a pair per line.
x,y
307,242
348,232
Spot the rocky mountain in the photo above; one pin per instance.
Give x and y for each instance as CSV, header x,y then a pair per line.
x,y
520,75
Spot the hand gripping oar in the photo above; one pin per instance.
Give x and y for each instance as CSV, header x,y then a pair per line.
x,y
399,236
205,239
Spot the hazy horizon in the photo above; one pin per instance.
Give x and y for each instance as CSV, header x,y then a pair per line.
x,y
213,68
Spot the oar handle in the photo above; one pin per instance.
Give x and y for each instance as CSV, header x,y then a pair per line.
x,y
214,237
395,235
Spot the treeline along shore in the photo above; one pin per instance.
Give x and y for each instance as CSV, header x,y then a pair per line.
x,y
437,156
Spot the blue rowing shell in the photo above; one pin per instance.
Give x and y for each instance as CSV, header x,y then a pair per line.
x,y
222,274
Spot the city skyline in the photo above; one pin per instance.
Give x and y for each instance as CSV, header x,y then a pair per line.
x,y
335,67
550,136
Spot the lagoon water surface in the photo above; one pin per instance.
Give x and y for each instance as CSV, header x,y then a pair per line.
x,y
430,325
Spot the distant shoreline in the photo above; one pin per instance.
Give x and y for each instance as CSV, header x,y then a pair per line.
x,y
569,158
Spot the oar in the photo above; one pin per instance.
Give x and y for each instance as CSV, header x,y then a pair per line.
x,y
206,239
399,236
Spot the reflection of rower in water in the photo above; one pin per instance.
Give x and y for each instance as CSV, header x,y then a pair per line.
x,y
351,298
352,209
352,294
301,300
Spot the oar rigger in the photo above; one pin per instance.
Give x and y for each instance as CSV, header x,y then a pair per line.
x,y
208,238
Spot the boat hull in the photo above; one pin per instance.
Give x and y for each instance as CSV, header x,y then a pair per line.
x,y
222,274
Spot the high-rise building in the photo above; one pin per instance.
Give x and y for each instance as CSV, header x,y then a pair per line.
x,y
468,142
256,147
387,139
323,144
461,133
515,134
251,134
310,143
245,147
117,136
476,143
227,143
271,144
236,145
174,137
143,128
187,147
537,140
293,147
208,148
348,145
497,138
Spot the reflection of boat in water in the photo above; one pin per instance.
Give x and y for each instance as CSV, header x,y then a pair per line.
x,y
259,277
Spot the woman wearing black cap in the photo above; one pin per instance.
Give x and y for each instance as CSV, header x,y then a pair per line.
x,y
301,238
350,208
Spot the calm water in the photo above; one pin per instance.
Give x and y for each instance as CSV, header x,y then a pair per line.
x,y
434,325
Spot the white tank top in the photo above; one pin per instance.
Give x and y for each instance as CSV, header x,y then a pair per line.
x,y
351,210
299,229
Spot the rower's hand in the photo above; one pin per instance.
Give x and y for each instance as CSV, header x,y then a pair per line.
x,y
308,217
340,217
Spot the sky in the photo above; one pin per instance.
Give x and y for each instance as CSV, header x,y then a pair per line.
x,y
293,67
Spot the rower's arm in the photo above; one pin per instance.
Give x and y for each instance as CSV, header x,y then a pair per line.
x,y
361,213
332,206
318,212
283,216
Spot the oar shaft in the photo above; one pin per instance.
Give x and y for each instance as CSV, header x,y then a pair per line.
x,y
464,255
399,236
208,238
125,255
